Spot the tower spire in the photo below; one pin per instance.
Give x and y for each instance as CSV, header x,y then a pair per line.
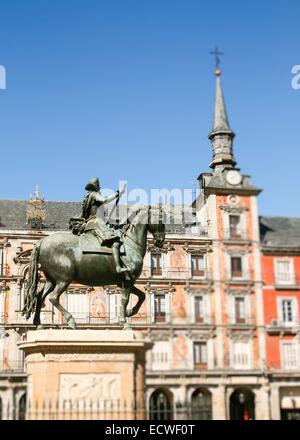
x,y
221,135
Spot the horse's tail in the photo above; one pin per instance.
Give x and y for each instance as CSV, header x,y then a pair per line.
x,y
30,299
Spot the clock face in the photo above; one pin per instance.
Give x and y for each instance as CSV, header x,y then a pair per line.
x,y
234,177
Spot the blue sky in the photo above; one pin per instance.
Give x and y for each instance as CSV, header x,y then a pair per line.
x,y
124,89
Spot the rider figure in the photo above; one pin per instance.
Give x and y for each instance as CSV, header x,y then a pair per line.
x,y
91,202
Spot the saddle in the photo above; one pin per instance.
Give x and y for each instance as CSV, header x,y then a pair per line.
x,y
90,244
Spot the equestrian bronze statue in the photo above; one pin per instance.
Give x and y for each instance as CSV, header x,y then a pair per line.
x,y
91,255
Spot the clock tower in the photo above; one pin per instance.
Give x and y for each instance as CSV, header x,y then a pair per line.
x,y
225,175
228,206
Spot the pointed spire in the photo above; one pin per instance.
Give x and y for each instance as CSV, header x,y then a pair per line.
x,y
221,135
220,116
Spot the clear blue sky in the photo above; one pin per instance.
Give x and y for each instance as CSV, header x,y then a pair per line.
x,y
124,89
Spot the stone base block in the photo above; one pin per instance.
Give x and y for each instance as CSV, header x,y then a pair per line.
x,y
85,374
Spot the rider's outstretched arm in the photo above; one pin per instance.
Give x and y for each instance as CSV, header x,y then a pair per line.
x,y
116,195
112,197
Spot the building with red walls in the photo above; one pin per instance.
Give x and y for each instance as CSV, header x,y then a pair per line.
x,y
280,247
222,299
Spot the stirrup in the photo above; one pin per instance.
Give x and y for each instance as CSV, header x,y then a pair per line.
x,y
122,270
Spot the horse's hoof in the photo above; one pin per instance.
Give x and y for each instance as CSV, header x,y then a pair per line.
x,y
72,323
40,327
131,312
127,327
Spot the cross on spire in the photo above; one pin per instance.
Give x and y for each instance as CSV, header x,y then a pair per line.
x,y
217,54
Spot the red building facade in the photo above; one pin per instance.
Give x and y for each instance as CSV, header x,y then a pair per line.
x,y
281,278
222,299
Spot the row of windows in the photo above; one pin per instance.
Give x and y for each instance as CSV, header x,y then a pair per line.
x,y
239,309
197,265
284,268
287,310
198,268
78,305
241,355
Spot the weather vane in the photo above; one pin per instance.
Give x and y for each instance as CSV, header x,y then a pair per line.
x,y
217,55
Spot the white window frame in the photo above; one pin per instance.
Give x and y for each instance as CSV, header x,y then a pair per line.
x,y
232,314
284,362
245,266
291,280
78,315
168,300
206,307
209,352
164,265
206,348
161,359
226,225
199,277
241,366
294,302
114,307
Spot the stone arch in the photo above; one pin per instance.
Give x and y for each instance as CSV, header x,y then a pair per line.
x,y
161,404
22,407
242,404
201,404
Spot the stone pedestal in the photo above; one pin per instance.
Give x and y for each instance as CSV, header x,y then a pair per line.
x,y
98,374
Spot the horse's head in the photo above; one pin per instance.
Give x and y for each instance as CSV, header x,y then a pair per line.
x,y
156,225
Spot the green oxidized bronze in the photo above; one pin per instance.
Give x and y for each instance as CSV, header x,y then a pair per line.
x,y
90,255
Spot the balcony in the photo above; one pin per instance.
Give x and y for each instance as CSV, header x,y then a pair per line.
x,y
242,277
241,322
177,273
287,282
237,235
200,321
275,326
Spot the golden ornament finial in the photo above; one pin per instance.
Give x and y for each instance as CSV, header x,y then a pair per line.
x,y
218,72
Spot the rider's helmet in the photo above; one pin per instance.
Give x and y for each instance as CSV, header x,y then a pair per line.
x,y
93,184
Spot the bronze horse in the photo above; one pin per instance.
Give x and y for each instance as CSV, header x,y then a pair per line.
x,y
60,258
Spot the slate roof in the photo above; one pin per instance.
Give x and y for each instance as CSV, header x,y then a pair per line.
x,y
274,231
280,232
13,216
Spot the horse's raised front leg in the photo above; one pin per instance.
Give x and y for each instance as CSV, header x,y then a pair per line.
x,y
54,299
123,308
41,296
141,298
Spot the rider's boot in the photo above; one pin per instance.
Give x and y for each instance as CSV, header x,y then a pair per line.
x,y
116,256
